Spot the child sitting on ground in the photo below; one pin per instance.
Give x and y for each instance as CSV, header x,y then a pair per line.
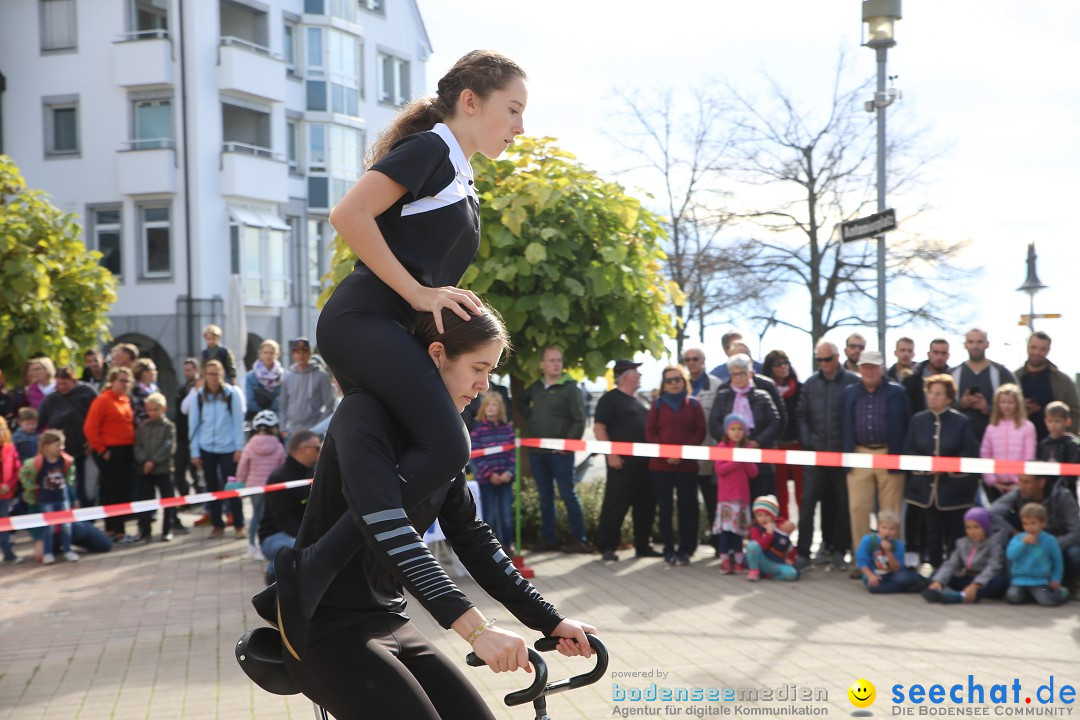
x,y
46,479
976,568
733,497
769,552
880,558
1035,561
1060,445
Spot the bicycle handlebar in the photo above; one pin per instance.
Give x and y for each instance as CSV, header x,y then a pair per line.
x,y
540,686
520,697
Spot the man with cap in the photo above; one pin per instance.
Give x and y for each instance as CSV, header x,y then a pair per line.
x,y
876,415
307,395
620,417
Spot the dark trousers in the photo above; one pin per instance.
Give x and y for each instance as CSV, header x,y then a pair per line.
x,y
149,487
904,580
630,486
80,481
827,486
994,589
765,482
217,467
392,672
684,485
117,476
943,529
707,485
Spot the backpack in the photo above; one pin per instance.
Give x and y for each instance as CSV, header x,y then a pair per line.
x,y
228,399
39,462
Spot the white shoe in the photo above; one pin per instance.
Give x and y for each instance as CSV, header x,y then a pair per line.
x,y
71,556
47,559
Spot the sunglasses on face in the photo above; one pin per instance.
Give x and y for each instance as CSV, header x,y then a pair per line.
x,y
830,358
672,380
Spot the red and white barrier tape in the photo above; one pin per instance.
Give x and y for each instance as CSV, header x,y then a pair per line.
x,y
918,463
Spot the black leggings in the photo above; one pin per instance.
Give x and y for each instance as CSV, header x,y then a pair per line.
x,y
364,335
358,674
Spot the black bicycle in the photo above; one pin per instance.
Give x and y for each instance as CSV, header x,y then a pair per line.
x,y
259,653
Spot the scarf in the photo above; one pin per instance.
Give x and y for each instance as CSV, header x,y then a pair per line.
x,y
675,401
742,406
269,378
787,389
699,384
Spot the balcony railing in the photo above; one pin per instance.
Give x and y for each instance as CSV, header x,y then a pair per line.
x,y
255,150
233,41
135,35
150,144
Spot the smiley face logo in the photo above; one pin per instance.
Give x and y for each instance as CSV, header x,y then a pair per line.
x,y
862,693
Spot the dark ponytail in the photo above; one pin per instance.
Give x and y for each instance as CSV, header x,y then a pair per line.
x,y
482,71
462,336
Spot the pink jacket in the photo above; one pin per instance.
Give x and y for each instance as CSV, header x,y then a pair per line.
x,y
1005,441
733,478
262,455
9,470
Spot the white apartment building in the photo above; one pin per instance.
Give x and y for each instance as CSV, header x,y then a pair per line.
x,y
210,135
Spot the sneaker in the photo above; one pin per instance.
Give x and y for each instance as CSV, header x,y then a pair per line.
x,y
952,597
181,530
725,565
14,560
609,556
753,575
838,561
125,539
822,557
145,539
217,532
47,559
241,532
932,596
167,537
669,558
804,564
682,559
71,556
204,520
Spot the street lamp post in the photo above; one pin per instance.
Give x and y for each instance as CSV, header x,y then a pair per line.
x,y
1031,285
880,17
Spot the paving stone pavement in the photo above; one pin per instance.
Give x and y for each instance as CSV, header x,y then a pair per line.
x,y
148,632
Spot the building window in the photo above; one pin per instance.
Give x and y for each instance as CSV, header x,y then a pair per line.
x,y
156,241
149,19
316,148
58,28
314,55
314,261
277,266
106,234
315,7
152,126
259,254
290,49
62,126
344,9
316,95
344,69
346,151
292,136
318,193
251,255
378,6
393,80
245,129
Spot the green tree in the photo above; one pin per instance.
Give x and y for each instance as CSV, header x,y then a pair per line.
x,y
54,296
567,258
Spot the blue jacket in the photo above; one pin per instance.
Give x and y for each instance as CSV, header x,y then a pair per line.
x,y
1034,565
898,412
870,555
215,424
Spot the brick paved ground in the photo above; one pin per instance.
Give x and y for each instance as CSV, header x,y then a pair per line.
x,y
148,632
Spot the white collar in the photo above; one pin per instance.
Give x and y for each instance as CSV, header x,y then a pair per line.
x,y
457,155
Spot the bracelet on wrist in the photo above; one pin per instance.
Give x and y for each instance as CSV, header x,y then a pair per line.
x,y
480,629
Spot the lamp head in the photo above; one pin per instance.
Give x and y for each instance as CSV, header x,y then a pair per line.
x,y
880,17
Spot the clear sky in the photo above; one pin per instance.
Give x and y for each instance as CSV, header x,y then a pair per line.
x,y
995,82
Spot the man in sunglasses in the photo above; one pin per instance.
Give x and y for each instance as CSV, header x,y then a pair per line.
x,y
819,419
853,348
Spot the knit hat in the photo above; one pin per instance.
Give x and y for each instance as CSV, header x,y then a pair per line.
x,y
734,418
980,515
767,503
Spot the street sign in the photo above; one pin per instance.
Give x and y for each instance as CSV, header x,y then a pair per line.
x,y
869,226
1026,319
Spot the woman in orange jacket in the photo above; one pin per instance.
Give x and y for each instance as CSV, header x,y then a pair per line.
x,y
110,431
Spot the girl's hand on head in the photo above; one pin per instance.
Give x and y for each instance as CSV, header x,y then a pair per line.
x,y
571,631
434,300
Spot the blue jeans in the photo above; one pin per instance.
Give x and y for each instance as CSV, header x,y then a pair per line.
x,y
903,580
256,515
756,559
65,529
216,468
994,589
272,544
549,469
5,538
497,509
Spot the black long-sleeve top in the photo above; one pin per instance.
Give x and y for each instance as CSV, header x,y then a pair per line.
x,y
357,474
